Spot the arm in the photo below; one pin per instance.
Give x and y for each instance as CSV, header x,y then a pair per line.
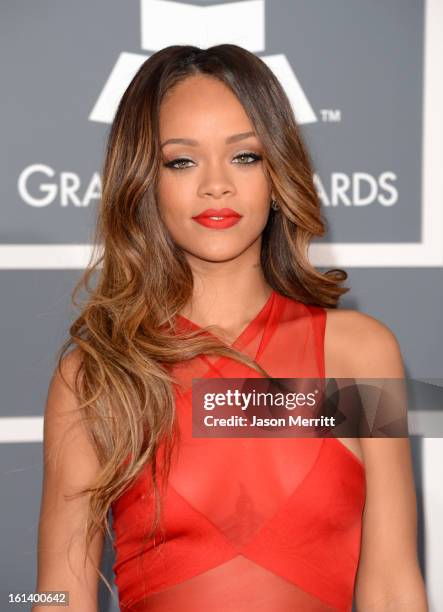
x,y
389,577
70,465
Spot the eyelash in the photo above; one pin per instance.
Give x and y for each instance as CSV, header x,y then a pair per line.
x,y
254,156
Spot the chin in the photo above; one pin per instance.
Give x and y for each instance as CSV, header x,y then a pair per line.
x,y
217,254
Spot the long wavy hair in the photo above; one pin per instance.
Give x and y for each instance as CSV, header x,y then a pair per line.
x,y
125,335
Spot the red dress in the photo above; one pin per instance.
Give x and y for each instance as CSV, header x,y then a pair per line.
x,y
249,524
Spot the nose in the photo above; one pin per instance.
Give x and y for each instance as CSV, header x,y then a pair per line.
x,y
215,181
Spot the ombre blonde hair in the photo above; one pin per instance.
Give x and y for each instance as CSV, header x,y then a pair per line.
x,y
124,335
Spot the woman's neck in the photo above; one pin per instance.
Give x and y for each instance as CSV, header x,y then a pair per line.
x,y
227,294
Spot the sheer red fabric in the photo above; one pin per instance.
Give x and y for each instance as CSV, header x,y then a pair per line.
x,y
249,524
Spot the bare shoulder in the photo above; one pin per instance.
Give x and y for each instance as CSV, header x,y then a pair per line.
x,y
66,442
70,369
359,345
62,401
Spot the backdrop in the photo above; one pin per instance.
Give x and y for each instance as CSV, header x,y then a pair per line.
x,y
363,78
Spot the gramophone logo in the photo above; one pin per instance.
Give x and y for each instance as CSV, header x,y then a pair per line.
x,y
165,23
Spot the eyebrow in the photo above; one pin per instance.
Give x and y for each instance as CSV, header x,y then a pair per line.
x,y
194,143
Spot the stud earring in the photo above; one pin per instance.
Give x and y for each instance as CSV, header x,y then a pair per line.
x,y
274,205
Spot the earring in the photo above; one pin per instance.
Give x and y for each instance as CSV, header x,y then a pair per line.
x,y
274,205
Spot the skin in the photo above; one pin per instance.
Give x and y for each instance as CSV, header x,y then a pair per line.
x,y
229,289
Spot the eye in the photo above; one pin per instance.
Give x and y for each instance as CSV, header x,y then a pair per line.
x,y
176,164
173,164
252,156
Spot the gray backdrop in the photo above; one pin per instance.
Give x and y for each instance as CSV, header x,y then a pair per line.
x,y
363,80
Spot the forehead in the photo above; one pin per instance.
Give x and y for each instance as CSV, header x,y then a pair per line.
x,y
200,104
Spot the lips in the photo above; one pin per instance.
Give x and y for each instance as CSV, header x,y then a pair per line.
x,y
218,219
222,212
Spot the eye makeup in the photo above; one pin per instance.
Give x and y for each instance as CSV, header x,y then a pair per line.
x,y
173,163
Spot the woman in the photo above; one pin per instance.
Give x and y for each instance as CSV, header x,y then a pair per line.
x,y
207,210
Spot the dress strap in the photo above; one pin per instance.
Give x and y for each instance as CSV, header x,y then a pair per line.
x,y
319,315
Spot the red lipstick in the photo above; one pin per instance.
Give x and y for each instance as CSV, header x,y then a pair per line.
x,y
218,219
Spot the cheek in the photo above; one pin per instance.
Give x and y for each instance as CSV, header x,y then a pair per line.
x,y
172,200
167,190
175,208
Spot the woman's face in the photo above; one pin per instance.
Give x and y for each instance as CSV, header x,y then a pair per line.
x,y
212,172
